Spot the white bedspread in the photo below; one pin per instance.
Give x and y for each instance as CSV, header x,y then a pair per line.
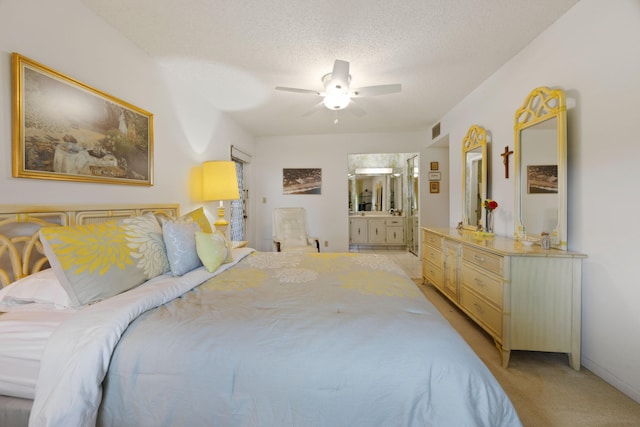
x,y
76,358
278,340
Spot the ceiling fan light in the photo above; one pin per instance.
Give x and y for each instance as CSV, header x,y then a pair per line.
x,y
336,100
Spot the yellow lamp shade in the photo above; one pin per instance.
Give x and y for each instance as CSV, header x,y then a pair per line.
x,y
219,181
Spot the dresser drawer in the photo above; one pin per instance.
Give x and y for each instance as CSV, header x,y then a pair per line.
x,y
488,286
487,315
432,239
433,274
432,254
490,262
394,222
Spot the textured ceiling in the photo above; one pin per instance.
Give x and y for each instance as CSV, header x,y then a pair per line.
x,y
234,53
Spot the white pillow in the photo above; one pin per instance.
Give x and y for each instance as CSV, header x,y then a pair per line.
x,y
42,287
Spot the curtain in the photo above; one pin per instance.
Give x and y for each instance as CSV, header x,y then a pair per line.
x,y
238,218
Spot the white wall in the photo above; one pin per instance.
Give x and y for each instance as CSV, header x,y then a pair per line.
x,y
328,213
591,53
434,207
67,37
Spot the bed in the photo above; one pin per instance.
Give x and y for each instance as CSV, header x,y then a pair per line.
x,y
253,339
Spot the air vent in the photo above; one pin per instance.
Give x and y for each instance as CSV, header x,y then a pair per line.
x,y
435,131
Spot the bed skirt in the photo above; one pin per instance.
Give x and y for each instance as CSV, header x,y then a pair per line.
x,y
14,412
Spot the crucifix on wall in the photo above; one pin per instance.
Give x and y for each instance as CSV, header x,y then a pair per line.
x,y
505,160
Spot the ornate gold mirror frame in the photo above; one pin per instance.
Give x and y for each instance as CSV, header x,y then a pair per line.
x,y
541,167
474,177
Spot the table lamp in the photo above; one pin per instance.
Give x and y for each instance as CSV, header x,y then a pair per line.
x,y
219,182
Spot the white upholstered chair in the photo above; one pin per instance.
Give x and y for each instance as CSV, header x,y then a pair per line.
x,y
290,231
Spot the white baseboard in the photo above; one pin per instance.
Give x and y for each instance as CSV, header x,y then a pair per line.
x,y
612,379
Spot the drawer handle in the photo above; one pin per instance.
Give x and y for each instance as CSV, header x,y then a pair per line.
x,y
479,281
478,308
478,258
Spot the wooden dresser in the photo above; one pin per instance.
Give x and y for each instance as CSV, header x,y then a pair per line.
x,y
526,298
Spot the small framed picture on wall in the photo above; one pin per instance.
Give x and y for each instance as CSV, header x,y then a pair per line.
x,y
434,186
302,181
434,166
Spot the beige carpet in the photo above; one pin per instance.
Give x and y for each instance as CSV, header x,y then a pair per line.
x,y
543,388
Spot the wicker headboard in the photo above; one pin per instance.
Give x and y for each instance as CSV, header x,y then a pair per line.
x,y
21,252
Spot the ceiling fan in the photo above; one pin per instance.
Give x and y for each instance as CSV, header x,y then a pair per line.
x,y
336,94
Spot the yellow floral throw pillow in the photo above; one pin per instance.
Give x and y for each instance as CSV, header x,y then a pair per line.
x,y
97,261
198,216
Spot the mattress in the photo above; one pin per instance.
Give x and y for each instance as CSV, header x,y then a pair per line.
x,y
24,333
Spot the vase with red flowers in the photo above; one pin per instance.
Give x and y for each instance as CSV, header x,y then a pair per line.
x,y
490,206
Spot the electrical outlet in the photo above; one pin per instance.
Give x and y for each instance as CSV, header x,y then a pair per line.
x,y
326,243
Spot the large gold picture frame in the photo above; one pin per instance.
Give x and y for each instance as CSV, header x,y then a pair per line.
x,y
66,130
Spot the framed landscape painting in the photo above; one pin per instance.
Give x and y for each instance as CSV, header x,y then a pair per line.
x,y
66,130
302,181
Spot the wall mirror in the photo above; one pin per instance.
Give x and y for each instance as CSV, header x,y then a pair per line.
x,y
377,182
474,177
541,167
375,190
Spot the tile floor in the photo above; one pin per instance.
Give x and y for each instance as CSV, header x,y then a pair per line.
x,y
408,261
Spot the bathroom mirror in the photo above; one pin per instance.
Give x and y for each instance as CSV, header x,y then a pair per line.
x,y
377,182
375,191
541,167
474,177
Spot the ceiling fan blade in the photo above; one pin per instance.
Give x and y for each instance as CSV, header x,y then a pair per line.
x,y
340,74
293,89
355,109
376,90
319,106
